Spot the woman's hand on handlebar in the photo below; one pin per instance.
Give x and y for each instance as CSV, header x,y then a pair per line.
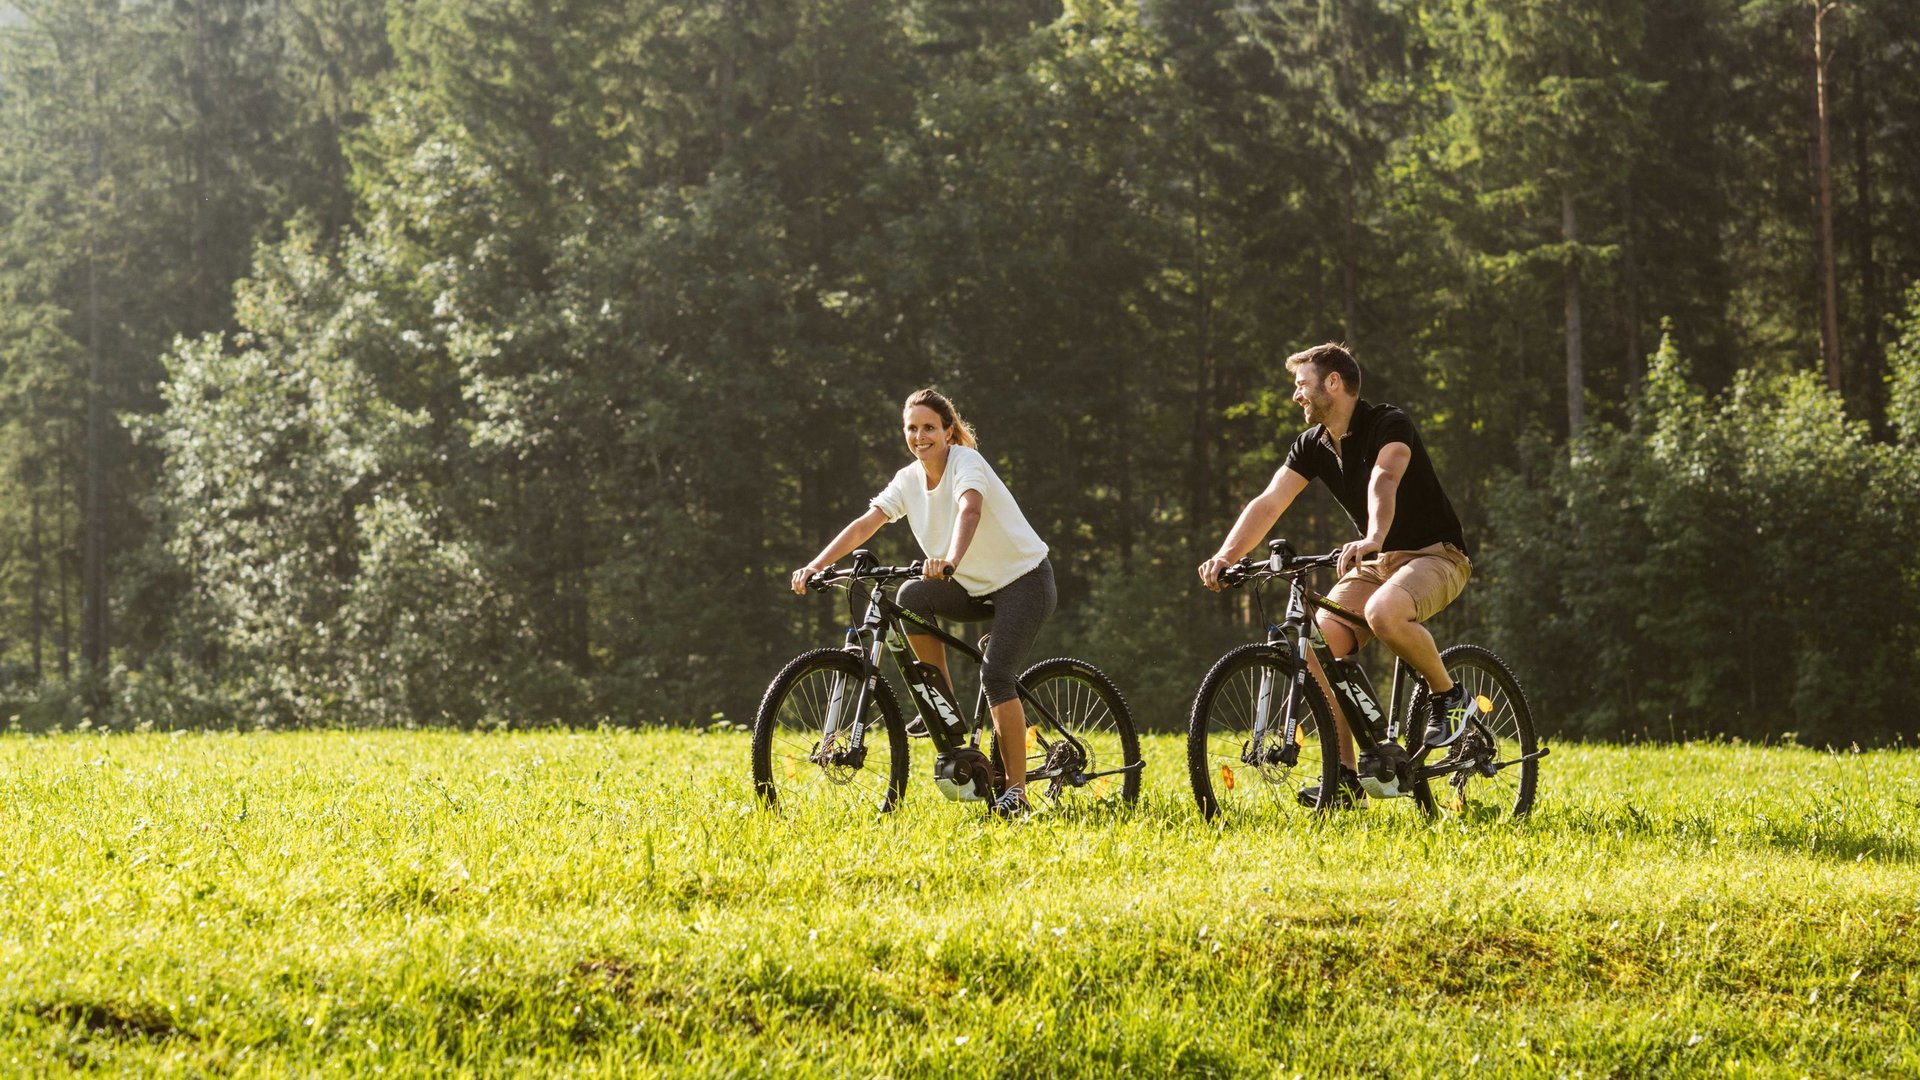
x,y
936,569
800,576
1211,570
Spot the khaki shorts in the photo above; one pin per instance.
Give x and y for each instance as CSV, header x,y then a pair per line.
x,y
1431,576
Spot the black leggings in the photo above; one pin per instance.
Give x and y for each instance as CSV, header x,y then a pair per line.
x,y
1017,611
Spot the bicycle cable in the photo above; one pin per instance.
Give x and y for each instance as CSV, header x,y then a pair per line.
x,y
1260,602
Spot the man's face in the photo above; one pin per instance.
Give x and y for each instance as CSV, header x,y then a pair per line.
x,y
1311,393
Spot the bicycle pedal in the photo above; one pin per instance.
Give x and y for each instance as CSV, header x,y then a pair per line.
x,y
1382,789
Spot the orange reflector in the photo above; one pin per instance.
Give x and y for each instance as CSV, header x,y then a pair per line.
x,y
1033,739
1226,776
1485,702
1101,787
791,771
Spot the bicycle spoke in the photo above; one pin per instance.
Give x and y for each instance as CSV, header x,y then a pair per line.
x,y
798,765
1078,726
1230,775
1501,732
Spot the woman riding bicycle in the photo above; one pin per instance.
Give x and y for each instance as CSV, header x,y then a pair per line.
x,y
983,562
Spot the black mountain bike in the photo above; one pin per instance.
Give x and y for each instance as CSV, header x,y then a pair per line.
x,y
829,729
1261,733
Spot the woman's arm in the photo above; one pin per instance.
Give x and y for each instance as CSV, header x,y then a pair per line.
x,y
964,526
857,532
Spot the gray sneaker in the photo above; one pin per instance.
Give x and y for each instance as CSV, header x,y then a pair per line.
x,y
1012,804
1348,796
1448,716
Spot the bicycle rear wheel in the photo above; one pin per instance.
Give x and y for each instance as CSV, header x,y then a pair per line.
x,y
1101,762
802,738
1231,776
1499,741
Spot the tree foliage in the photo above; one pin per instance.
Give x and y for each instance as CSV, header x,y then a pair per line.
x,y
1727,563
493,361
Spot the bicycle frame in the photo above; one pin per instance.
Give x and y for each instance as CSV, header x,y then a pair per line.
x,y
1352,690
1297,632
881,632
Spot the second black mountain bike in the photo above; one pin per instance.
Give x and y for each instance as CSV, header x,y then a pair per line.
x,y
1262,735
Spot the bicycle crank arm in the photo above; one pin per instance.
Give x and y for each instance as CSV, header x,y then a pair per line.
x,y
1435,772
1051,774
1535,756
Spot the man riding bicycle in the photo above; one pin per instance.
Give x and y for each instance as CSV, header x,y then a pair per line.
x,y
1372,459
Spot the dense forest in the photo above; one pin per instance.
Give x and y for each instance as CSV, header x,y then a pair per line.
x,y
490,362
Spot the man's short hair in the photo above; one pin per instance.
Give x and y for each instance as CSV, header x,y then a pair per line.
x,y
1326,358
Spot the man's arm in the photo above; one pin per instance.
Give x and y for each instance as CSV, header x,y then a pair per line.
x,y
1255,522
1382,488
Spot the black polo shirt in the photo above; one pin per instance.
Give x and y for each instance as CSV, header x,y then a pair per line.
x,y
1422,516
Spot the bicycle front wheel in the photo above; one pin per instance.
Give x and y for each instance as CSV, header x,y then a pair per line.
x,y
1081,745
1237,757
803,748
1494,770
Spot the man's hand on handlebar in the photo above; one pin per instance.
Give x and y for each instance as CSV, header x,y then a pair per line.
x,y
1352,554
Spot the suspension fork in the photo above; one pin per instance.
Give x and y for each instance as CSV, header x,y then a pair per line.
x,y
1263,712
857,642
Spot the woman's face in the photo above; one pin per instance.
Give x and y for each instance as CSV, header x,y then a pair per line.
x,y
927,436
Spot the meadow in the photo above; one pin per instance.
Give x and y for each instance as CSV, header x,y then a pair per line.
x,y
614,903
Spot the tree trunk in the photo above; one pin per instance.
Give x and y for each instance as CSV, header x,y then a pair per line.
x,y
94,650
1350,272
64,565
1200,479
1829,300
37,617
579,633
1630,294
1869,309
1576,362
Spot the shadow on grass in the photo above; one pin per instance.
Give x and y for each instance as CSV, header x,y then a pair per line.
x,y
112,1019
1828,830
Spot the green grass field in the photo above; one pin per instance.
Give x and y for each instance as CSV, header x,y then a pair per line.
x,y
441,904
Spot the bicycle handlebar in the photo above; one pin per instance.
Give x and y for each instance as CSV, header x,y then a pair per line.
x,y
1282,561
834,576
